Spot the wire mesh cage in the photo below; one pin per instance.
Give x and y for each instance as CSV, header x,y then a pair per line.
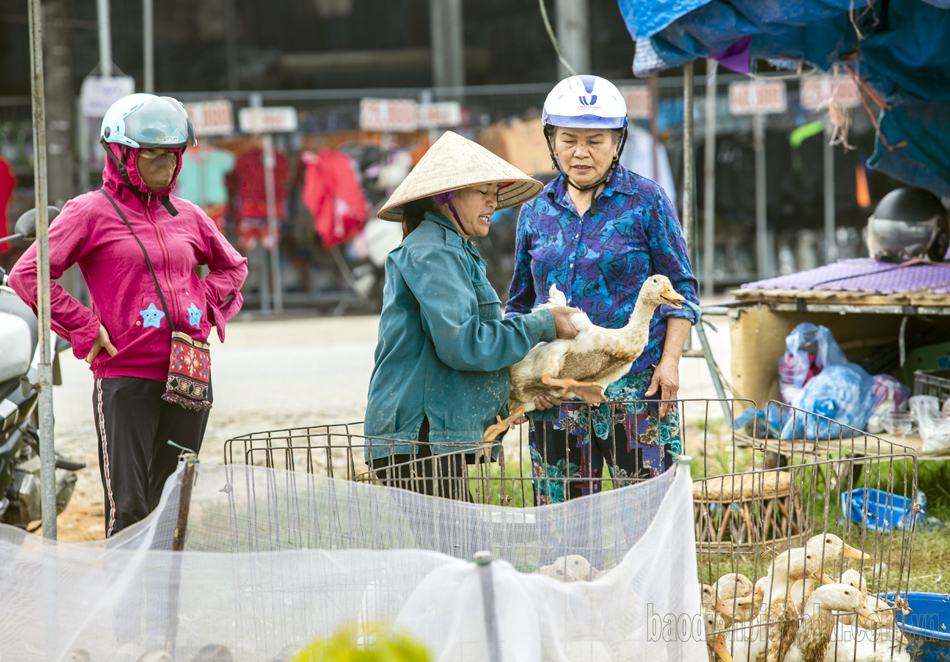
x,y
451,470
778,507
805,500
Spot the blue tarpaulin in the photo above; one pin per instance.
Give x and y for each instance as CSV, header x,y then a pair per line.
x,y
901,52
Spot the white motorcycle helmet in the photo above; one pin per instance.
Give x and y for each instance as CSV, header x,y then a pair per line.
x,y
584,102
145,121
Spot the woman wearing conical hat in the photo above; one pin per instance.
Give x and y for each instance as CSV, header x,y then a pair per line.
x,y
441,376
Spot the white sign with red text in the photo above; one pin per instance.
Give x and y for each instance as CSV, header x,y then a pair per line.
x,y
815,90
440,115
388,115
757,97
270,119
211,118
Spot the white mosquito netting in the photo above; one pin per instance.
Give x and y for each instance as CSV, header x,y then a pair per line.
x,y
275,559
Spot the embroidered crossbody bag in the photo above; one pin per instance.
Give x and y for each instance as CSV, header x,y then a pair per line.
x,y
189,366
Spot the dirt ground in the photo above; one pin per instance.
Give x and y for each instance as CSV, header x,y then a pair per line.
x,y
270,375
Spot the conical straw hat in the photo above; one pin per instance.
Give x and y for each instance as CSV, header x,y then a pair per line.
x,y
455,162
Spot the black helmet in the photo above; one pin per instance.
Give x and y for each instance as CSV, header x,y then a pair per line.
x,y
909,223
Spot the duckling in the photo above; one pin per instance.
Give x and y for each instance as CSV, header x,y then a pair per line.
x,y
747,608
711,600
730,588
715,643
584,366
570,568
818,624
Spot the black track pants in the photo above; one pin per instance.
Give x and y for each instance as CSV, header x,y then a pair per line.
x,y
134,425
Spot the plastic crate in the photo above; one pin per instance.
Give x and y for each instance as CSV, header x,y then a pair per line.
x,y
877,509
933,382
926,626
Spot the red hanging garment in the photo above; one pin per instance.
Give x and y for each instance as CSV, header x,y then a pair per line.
x,y
332,193
7,184
248,178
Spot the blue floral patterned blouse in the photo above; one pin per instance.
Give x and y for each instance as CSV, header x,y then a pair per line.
x,y
601,260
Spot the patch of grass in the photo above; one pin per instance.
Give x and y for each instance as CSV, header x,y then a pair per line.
x,y
930,562
933,479
517,487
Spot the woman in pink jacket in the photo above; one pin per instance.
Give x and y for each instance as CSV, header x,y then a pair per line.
x,y
127,335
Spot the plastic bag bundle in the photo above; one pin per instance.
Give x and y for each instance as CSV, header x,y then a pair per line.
x,y
889,396
808,350
757,423
843,394
934,427
275,559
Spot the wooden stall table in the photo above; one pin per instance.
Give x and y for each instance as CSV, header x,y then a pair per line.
x,y
866,304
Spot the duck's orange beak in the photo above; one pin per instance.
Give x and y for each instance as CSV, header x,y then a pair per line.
x,y
852,553
825,579
671,296
721,649
869,614
722,607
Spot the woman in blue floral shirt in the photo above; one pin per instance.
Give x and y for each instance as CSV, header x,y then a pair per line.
x,y
598,231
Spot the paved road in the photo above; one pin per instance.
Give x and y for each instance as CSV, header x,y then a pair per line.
x,y
271,375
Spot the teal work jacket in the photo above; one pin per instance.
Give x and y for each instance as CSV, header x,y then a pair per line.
x,y
444,346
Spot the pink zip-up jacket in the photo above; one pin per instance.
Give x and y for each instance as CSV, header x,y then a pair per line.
x,y
90,233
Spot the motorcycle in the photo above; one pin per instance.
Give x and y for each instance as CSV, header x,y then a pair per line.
x,y
19,417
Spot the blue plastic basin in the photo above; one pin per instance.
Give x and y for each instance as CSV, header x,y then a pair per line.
x,y
878,510
927,626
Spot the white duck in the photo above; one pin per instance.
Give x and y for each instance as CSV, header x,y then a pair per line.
x,y
850,644
584,366
818,623
830,548
730,588
748,607
570,568
781,607
715,636
772,631
784,606
879,606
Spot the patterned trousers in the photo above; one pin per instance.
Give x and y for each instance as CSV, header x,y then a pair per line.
x,y
568,455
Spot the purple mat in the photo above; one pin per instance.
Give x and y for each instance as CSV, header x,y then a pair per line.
x,y
864,275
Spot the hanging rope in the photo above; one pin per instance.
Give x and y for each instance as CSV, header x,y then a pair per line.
x,y
838,115
554,42
865,92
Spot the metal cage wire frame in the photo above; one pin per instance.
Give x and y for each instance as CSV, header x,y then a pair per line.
x,y
754,495
844,486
